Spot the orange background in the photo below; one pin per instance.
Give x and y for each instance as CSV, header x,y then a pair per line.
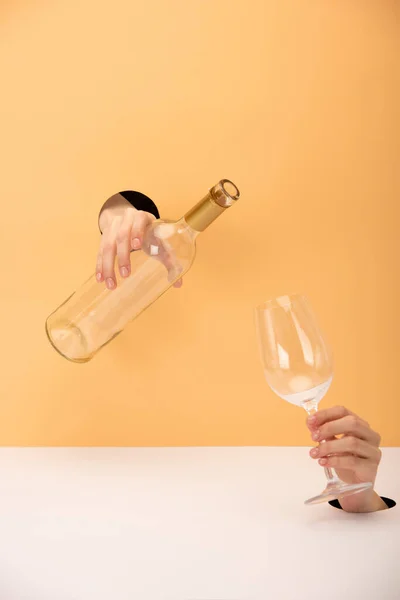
x,y
298,103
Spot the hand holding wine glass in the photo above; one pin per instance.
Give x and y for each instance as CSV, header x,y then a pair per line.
x,y
298,366
352,449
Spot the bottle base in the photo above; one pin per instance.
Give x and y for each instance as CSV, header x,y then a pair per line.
x,y
67,340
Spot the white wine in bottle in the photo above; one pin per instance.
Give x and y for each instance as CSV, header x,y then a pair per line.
x,y
94,315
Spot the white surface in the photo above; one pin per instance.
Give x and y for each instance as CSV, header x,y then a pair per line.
x,y
188,524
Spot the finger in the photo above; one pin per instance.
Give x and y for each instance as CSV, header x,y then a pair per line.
x,y
346,463
345,445
174,268
316,438
140,223
99,266
169,261
349,425
161,250
178,284
326,415
108,250
166,256
124,247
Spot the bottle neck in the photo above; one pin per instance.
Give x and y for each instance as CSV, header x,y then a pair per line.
x,y
219,198
203,214
185,226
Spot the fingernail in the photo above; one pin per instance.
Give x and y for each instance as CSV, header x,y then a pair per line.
x,y
315,436
110,283
124,271
314,452
136,244
99,277
312,420
323,462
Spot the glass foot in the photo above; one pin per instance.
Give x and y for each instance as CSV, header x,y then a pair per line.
x,y
337,490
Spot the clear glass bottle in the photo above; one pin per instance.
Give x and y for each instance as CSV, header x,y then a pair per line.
x,y
93,315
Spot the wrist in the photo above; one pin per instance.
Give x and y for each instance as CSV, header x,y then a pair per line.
x,y
363,502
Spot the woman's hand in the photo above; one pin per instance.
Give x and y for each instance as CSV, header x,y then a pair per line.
x,y
123,230
350,447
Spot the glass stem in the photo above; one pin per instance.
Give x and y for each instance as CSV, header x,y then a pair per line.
x,y
311,407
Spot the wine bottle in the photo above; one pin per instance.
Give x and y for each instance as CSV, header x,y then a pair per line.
x,y
93,315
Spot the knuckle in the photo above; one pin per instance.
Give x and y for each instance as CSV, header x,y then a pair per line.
x,y
144,218
340,410
140,217
350,424
130,211
353,443
353,422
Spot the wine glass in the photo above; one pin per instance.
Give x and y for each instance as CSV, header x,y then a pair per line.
x,y
298,367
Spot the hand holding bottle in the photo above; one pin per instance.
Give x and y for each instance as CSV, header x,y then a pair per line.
x,y
123,227
95,314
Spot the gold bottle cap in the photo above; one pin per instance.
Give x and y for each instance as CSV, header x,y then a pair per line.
x,y
225,193
219,198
